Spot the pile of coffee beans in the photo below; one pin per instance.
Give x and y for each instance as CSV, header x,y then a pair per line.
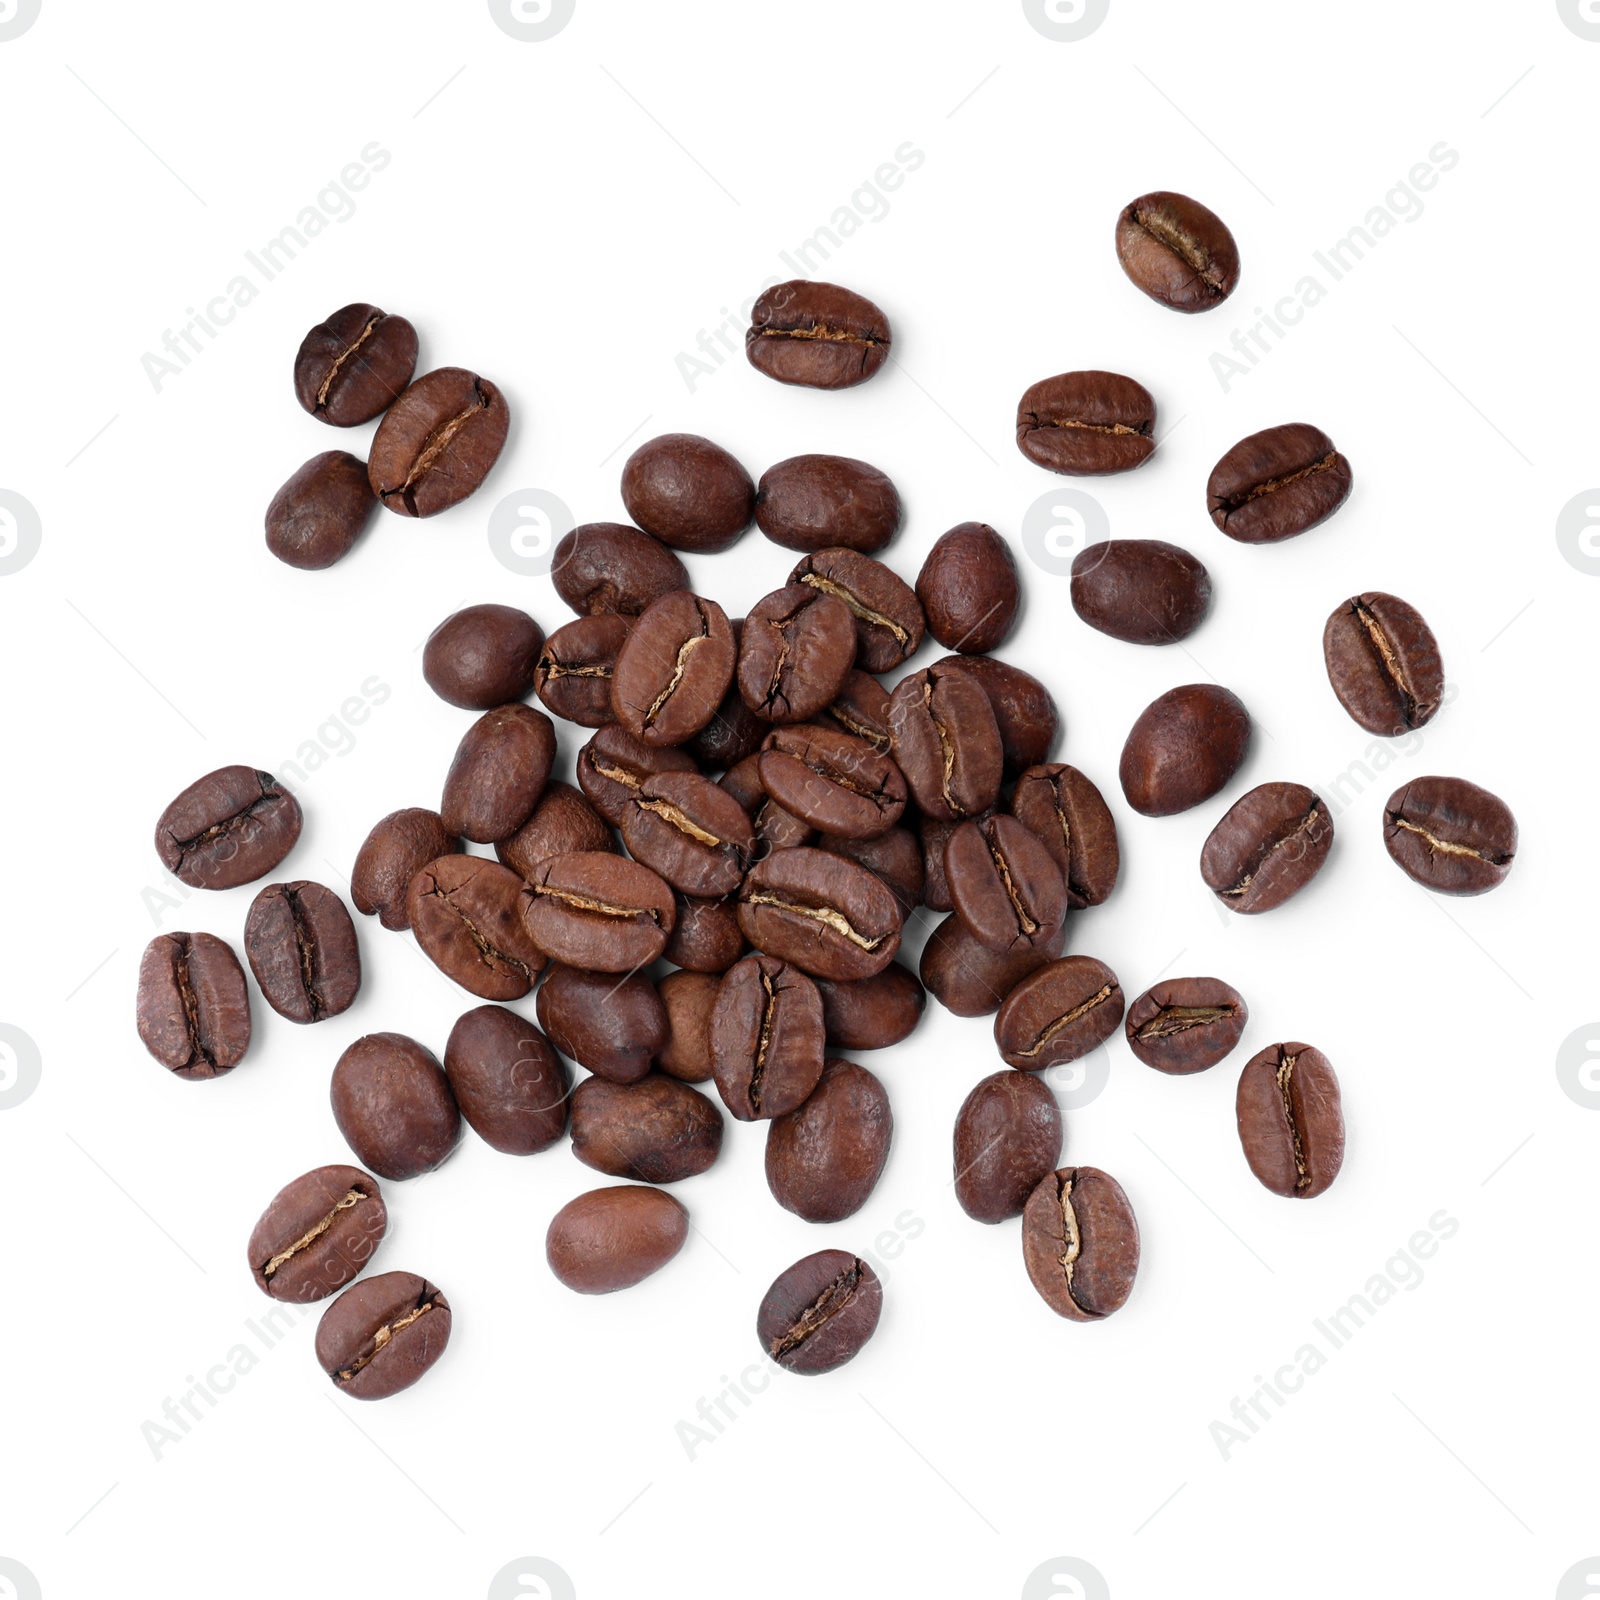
x,y
721,897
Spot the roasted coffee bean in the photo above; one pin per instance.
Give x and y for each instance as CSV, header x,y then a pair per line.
x,y
230,827
562,822
354,365
303,951
612,1025
611,1239
482,657
498,776
1449,835
824,913
438,442
1080,1243
1066,810
607,567
1008,1136
1183,749
689,998
512,1087
318,1233
394,1106
1384,664
1269,846
1177,251
895,857
706,937
946,741
1059,1013
871,1013
317,515
821,502
657,1130
466,913
598,911
766,1038
969,589
860,707
820,1312
971,981
688,492
835,782
1291,1121
816,334
888,615
613,765
1087,423
673,671
734,731
1024,710
775,827
396,850
1144,591
380,1336
1184,1025
795,653
194,1008
934,836
1277,483
694,833
1004,884
825,1157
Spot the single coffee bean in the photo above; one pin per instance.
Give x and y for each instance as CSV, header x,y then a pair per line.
x,y
775,827
562,822
303,951
795,653
512,1087
860,707
946,741
598,911
1008,1136
1144,591
1084,424
888,616
393,1105
396,850
1059,1013
734,731
706,936
688,492
613,765
1277,483
318,514
612,1025
498,776
1449,835
825,1157
1080,1243
1184,748
194,1008
969,589
611,1239
482,657
895,857
835,782
816,334
607,567
354,365
824,913
934,836
820,1312
1005,885
694,833
380,1336
230,827
1177,251
871,1013
674,669
657,1130
1024,710
438,442
1384,663
1066,810
317,1234
1291,1121
766,1038
689,997
1269,846
971,981
1184,1025
466,914
822,502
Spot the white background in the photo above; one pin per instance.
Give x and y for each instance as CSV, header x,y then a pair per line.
x,y
565,217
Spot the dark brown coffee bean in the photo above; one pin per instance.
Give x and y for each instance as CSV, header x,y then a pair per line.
x,y
1449,835
796,651
860,707
393,1105
895,857
688,492
1144,591
947,743
1008,1136
824,913
1005,885
1184,1025
396,850
482,657
611,1239
657,1130
820,1312
230,827
612,1025
969,589
438,442
775,827
613,765
835,782
706,937
1084,424
971,981
934,836
605,567
512,1087
1059,1013
303,951
317,515
689,998
820,502
1024,710
1184,748
825,1157
695,834
766,1038
1177,251
674,669
1384,664
380,1336
872,1013
1291,1121
354,365
598,911
466,913
1278,483
1066,810
317,1234
1269,846
816,334
562,822
499,772
1080,1243
888,615
194,1008
734,731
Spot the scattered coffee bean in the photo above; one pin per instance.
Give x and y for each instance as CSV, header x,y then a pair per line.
x,y
611,1239
860,707
816,334
1144,591
498,776
888,616
820,1312
512,1087
598,911
946,741
380,1336
688,492
674,669
562,822
819,502
466,913
438,441
318,514
230,827
1184,1025
835,782
1184,748
317,1234
1059,1013
657,1130
825,1157
824,913
396,850
871,1013
1024,710
766,1038
1066,810
576,667
689,998
1177,251
1080,1243
613,765
706,937
393,1105
775,827
691,831
894,856
1004,884
612,1025
969,589
1277,483
1087,423
1384,663
970,981
354,365
1291,1122
193,1008
482,657
603,568
1008,1136
1269,846
795,653
302,948
1449,835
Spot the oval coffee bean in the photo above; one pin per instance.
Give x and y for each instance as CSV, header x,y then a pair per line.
x,y
1024,710
499,772
1059,1013
695,834
302,948
613,765
835,782
317,515
354,365
1177,251
1277,483
393,1105
396,850
1008,1136
317,1234
674,669
871,1013
1143,591
1269,846
1069,813
605,567
766,1038
706,937
946,741
230,827
1384,664
562,822
1087,423
688,492
888,616
820,502
825,1157
1080,1243
795,653
1291,1121
510,1084
824,913
612,1026
1184,1025
598,911
380,1336
969,589
894,856
971,981
775,827
1449,835
194,1008
437,442
657,1130
611,1239
817,335
482,657
466,914
1004,884
860,707
820,1312
1184,748
689,997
